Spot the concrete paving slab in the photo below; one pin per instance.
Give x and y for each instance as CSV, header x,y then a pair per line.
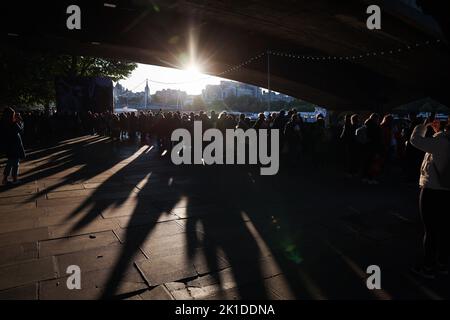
x,y
158,230
60,202
93,286
76,243
18,252
17,200
69,194
145,219
27,292
7,207
8,216
63,187
23,273
130,208
18,224
167,269
23,236
158,293
198,210
172,244
66,230
97,258
12,192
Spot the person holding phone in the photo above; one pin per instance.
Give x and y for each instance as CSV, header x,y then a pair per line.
x,y
434,193
11,128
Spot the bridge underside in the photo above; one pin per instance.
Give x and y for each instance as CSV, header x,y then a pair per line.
x,y
353,67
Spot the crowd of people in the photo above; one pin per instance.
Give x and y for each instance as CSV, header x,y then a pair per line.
x,y
376,144
365,149
148,125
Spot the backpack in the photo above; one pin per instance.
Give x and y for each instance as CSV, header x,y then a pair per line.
x,y
361,134
444,175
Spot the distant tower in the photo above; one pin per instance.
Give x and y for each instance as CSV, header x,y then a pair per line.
x,y
146,94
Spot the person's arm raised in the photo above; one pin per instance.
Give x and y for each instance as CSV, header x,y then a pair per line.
x,y
426,144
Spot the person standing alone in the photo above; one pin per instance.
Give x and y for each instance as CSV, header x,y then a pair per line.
x,y
11,128
434,194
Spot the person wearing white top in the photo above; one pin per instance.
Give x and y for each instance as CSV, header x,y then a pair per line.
x,y
434,194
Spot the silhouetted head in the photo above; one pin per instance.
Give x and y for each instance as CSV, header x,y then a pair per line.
x,y
347,119
375,118
387,120
8,116
319,117
354,119
320,122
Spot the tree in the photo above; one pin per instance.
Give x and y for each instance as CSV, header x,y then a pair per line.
x,y
198,103
302,106
217,105
28,77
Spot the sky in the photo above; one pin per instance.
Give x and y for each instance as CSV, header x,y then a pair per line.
x,y
190,80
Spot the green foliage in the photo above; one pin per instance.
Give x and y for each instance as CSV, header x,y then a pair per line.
x,y
253,104
302,106
198,103
28,77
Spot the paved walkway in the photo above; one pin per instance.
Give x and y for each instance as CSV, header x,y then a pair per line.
x,y
141,228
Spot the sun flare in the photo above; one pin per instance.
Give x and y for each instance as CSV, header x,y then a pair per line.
x,y
193,70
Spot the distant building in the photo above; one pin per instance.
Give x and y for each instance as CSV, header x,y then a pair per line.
x,y
229,88
177,99
170,97
126,98
189,100
212,93
146,94
118,91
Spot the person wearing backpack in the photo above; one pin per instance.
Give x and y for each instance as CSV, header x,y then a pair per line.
x,y
435,191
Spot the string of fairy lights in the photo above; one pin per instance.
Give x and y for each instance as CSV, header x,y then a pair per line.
x,y
359,56
306,57
239,66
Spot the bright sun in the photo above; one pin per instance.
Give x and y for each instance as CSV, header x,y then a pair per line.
x,y
193,70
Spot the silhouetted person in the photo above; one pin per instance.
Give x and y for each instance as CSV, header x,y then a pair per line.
x,y
435,191
293,136
261,123
348,138
12,126
242,124
373,149
320,138
413,156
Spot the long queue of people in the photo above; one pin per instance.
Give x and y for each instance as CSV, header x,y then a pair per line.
x,y
158,126
366,149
